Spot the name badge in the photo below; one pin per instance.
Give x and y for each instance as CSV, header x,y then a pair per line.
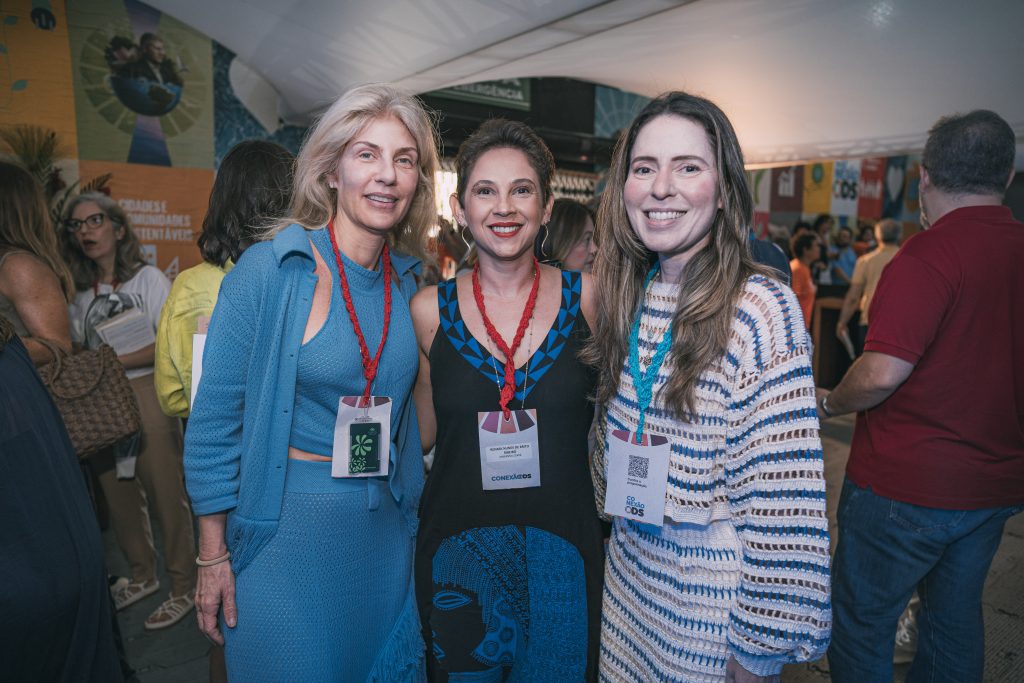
x,y
637,476
509,454
362,437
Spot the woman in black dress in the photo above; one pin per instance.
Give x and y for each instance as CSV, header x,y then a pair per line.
x,y
509,552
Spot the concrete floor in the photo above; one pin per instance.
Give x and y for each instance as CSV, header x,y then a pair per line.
x,y
178,654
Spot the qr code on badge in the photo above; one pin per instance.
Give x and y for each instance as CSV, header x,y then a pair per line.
x,y
638,466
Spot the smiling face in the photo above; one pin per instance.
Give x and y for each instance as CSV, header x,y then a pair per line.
x,y
376,177
503,204
581,256
671,189
97,242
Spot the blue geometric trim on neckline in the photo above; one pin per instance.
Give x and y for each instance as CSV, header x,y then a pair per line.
x,y
480,358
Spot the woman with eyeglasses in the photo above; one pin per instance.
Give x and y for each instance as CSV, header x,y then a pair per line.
x,y
113,279
35,285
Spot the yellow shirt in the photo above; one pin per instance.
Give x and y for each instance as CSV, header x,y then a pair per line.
x,y
193,295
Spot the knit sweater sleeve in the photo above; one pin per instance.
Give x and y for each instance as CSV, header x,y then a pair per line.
x,y
213,440
776,487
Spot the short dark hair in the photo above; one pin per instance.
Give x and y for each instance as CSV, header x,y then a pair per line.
x,y
803,242
505,134
970,153
821,220
148,38
253,188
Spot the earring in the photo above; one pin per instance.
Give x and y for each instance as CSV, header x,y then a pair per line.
x,y
544,242
462,235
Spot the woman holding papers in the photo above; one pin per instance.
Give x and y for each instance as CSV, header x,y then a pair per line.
x,y
718,563
509,556
302,454
118,302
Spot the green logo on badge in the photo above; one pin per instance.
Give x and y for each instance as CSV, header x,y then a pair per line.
x,y
361,445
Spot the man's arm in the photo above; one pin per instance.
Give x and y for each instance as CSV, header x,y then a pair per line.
x,y
850,303
870,380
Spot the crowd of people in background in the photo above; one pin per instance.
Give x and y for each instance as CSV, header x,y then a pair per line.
x,y
617,412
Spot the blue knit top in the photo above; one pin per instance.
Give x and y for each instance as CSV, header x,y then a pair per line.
x,y
328,364
236,448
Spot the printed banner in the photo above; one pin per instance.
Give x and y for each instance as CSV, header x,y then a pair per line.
x,y
895,176
35,70
818,187
760,182
911,191
166,207
143,85
845,181
787,185
869,196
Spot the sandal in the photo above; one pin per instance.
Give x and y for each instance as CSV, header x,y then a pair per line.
x,y
130,593
170,612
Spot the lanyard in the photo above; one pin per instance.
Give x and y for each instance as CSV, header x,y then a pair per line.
x,y
96,286
643,382
509,389
369,365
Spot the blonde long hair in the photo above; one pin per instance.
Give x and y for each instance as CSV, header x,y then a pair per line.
x,y
712,280
314,202
25,222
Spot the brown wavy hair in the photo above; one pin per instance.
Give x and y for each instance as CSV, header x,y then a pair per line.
x,y
314,202
128,259
712,280
25,222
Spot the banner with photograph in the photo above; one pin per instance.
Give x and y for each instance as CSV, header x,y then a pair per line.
x,y
818,188
166,207
870,192
143,85
895,179
787,186
35,70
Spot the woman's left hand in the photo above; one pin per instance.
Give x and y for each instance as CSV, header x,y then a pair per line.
x,y
735,673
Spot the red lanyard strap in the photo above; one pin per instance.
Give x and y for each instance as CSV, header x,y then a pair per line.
x,y
508,390
369,365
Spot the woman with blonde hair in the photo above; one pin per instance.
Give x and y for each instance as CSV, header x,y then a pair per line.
x,y
718,563
302,454
112,279
35,284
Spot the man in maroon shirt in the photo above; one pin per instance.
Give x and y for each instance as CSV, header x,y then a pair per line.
x,y
937,461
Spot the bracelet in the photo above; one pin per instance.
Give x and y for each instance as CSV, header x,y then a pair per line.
x,y
217,560
824,407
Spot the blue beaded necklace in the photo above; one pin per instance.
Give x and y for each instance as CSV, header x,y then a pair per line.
x,y
643,382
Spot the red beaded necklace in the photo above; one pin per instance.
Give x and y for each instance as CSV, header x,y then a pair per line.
x,y
509,389
369,365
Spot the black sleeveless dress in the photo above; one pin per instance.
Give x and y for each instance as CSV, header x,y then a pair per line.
x,y
509,582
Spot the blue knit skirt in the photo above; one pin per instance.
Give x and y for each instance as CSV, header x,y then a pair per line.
x,y
330,597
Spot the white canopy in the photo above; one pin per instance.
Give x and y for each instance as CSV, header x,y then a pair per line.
x,y
800,79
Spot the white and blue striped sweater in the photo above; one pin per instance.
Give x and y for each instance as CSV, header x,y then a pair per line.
x,y
741,565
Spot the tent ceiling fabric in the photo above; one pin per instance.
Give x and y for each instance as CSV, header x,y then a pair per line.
x,y
800,79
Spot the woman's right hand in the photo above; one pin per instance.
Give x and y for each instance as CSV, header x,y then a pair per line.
x,y
215,590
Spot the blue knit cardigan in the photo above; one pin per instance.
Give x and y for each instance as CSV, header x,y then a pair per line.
x,y
247,393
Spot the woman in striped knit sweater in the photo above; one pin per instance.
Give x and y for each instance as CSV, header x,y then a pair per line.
x,y
705,363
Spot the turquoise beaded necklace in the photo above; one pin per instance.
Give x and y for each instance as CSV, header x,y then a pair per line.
x,y
643,382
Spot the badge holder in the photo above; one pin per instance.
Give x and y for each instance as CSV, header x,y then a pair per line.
x,y
637,476
362,437
509,452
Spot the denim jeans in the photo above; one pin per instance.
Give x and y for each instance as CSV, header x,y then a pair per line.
x,y
887,549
